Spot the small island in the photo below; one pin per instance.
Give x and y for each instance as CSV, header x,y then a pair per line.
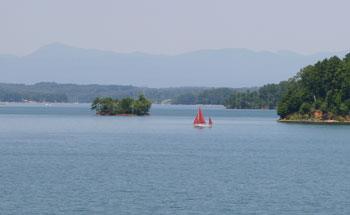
x,y
123,107
319,93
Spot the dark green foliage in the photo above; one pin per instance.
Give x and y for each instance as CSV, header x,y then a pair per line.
x,y
87,93
126,105
7,95
105,106
324,86
109,106
305,108
211,96
142,105
185,99
266,97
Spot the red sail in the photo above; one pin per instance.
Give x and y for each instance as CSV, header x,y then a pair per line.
x,y
196,121
210,122
200,116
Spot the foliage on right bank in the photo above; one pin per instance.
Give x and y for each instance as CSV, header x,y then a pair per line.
x,y
265,97
320,91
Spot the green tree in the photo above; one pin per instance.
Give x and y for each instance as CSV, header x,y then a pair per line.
x,y
265,97
323,86
126,105
96,105
142,105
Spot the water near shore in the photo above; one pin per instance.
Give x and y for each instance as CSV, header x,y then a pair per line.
x,y
65,160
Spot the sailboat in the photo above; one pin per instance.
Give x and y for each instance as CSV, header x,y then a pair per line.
x,y
210,122
199,120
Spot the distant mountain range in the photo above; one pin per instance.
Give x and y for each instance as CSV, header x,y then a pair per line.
x,y
205,68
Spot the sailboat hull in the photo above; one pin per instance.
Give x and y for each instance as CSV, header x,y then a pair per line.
x,y
201,125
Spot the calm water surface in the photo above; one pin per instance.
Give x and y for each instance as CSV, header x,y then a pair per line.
x,y
64,160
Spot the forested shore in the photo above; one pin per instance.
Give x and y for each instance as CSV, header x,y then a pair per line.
x,y
72,93
318,92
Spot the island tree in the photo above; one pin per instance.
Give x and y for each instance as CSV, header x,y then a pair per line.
x,y
109,106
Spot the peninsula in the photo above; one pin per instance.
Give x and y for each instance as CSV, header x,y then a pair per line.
x,y
319,93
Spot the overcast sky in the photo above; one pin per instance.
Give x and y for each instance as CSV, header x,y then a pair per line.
x,y
177,26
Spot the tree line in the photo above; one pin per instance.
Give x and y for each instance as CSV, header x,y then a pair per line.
x,y
210,96
265,97
109,106
51,92
323,87
21,96
87,93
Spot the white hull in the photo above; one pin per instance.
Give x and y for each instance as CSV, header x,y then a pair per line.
x,y
202,125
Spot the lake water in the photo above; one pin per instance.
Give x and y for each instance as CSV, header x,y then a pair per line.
x,y
64,160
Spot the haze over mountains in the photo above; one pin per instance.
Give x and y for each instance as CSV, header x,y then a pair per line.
x,y
211,68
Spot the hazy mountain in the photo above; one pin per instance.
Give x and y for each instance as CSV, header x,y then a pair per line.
x,y
212,68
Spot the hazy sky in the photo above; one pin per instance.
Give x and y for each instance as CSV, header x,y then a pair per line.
x,y
172,27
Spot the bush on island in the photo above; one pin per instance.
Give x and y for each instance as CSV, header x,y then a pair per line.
x,y
109,106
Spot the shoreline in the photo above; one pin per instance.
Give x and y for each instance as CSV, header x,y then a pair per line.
x,y
90,103
314,121
73,103
121,114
